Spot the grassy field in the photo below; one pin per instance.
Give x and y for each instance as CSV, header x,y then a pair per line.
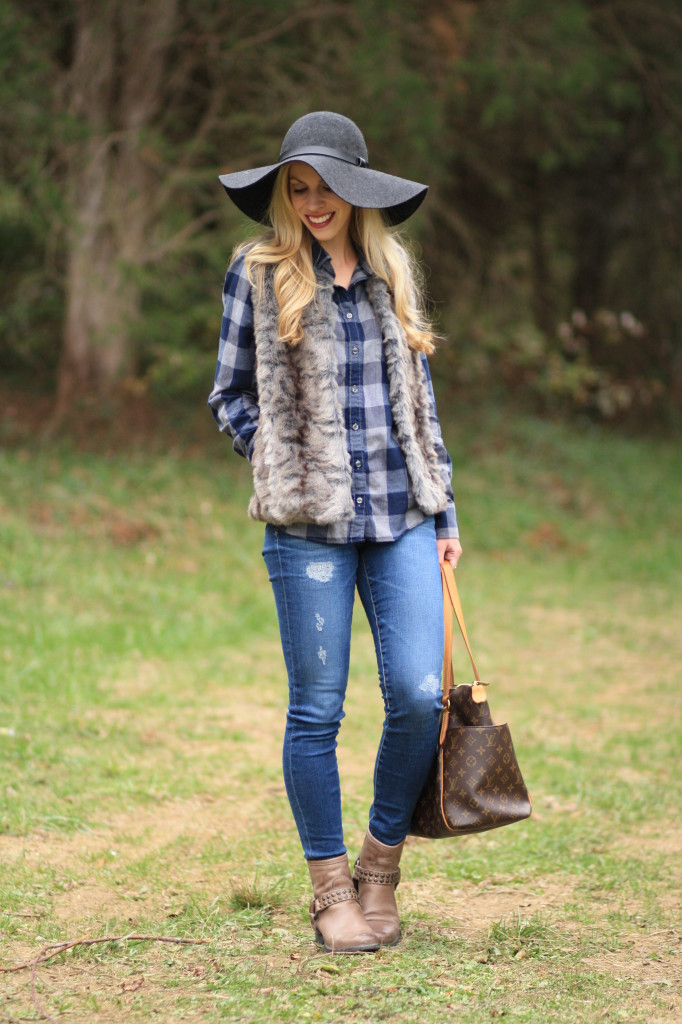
x,y
142,699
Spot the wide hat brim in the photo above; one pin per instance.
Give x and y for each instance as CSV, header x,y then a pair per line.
x,y
360,186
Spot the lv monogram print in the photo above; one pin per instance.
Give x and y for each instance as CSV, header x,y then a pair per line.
x,y
475,783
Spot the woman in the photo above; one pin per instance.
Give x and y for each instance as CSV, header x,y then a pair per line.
x,y
323,383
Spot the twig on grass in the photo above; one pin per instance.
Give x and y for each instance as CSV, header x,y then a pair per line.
x,y
47,952
42,1010
51,950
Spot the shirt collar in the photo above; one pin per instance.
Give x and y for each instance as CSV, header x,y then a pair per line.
x,y
323,261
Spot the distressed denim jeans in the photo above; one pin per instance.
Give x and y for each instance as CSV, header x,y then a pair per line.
x,y
400,590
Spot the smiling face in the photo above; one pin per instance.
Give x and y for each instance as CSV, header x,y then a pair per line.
x,y
326,216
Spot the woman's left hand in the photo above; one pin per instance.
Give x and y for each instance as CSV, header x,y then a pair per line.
x,y
449,550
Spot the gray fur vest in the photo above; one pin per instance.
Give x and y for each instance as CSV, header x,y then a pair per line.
x,y
300,460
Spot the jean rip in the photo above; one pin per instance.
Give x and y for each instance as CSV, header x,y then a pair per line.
x,y
321,572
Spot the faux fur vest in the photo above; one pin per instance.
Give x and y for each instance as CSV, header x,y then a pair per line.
x,y
300,460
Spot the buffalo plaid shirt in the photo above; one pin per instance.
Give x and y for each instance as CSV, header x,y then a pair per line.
x,y
385,507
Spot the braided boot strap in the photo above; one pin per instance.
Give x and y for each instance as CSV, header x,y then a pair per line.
x,y
329,899
374,877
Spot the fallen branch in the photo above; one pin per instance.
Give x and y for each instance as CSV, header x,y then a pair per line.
x,y
47,952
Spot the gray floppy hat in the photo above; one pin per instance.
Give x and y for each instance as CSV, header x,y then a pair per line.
x,y
334,146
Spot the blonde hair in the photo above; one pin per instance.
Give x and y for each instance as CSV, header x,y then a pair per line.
x,y
289,247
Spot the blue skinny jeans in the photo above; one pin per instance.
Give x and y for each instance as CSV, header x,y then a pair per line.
x,y
400,589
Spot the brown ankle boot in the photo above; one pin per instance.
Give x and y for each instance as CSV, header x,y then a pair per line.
x,y
376,874
335,912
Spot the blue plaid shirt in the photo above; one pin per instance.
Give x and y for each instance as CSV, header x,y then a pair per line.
x,y
384,503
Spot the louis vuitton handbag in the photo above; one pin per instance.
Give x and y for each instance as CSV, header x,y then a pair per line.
x,y
475,782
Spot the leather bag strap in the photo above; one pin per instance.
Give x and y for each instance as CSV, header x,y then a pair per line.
x,y
451,603
448,678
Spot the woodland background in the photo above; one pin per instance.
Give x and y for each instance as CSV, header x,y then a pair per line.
x,y
549,133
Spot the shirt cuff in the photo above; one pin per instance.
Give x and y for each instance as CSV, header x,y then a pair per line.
x,y
446,524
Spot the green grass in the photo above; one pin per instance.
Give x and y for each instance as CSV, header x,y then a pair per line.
x,y
142,699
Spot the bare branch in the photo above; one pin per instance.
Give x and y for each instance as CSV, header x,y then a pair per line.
x,y
164,194
665,104
178,240
308,14
150,35
55,948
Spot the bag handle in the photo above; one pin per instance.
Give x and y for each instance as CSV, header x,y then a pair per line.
x,y
452,603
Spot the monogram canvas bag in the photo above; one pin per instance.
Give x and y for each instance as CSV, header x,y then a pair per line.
x,y
474,783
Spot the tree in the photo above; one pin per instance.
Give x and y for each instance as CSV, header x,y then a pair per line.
x,y
135,107
565,152
548,132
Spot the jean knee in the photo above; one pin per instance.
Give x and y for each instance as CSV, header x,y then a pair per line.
x,y
319,711
422,702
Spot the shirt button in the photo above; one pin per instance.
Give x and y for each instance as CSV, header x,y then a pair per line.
x,y
349,316
355,426
354,350
358,464
354,389
359,501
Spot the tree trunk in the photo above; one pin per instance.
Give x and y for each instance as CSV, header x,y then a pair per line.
x,y
543,307
115,88
101,302
593,218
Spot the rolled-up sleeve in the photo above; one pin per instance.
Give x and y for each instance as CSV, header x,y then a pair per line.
x,y
446,521
234,399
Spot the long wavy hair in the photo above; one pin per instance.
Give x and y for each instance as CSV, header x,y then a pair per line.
x,y
289,246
